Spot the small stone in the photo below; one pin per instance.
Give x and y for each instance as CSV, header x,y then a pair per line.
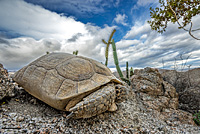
x,y
24,130
166,110
33,101
12,115
19,119
34,119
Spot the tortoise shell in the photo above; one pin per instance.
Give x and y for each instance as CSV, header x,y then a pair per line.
x,y
60,78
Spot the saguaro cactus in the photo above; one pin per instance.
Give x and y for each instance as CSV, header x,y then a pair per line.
x,y
116,59
117,63
107,46
131,72
127,71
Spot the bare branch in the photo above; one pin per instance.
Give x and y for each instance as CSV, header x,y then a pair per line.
x,y
191,34
181,25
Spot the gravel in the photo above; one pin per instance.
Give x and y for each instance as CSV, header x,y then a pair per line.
x,y
26,114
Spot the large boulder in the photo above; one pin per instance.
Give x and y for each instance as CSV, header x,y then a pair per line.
x,y
187,85
158,96
6,84
154,92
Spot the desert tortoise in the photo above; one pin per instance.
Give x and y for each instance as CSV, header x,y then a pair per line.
x,y
71,83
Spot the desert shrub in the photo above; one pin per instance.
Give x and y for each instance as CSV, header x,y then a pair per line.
x,y
197,118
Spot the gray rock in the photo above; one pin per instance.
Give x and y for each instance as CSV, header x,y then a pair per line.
x,y
20,118
6,84
158,96
187,85
154,92
12,115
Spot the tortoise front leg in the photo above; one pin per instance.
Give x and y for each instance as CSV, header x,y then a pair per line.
x,y
96,103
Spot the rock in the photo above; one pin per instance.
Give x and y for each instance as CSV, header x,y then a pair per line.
x,y
154,92
159,97
187,85
12,115
6,84
3,72
190,100
19,118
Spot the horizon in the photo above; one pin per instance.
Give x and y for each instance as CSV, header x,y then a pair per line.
x,y
29,28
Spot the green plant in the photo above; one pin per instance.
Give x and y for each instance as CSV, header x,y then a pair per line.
x,y
174,11
75,52
107,46
197,118
117,63
127,71
131,72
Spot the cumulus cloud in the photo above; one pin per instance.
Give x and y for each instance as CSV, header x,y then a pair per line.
x,y
123,44
138,29
21,51
19,17
121,19
154,47
18,52
43,31
144,36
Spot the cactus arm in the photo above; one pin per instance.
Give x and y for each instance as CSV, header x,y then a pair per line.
x,y
109,41
104,41
116,59
107,46
106,54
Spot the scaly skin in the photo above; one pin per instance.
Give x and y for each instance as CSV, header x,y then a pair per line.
x,y
99,101
96,103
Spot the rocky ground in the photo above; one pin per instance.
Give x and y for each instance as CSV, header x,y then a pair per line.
x,y
23,113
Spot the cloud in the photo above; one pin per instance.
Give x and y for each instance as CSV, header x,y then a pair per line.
x,y
121,19
151,47
80,8
18,52
144,3
23,50
19,17
116,4
42,30
123,44
138,29
144,36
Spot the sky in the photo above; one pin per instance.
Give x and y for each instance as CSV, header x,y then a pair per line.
x,y
30,28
